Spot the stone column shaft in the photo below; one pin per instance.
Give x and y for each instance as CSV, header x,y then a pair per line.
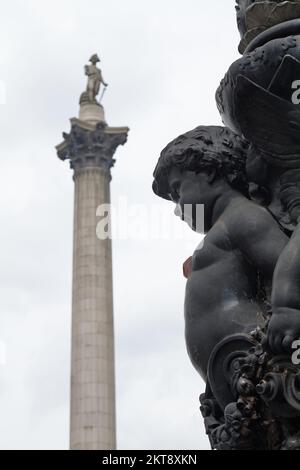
x,y
92,381
90,148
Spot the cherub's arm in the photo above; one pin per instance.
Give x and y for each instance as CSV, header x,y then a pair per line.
x,y
272,252
259,238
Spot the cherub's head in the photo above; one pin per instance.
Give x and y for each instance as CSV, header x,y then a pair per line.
x,y
200,166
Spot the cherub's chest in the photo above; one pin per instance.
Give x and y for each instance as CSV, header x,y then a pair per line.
x,y
205,256
215,247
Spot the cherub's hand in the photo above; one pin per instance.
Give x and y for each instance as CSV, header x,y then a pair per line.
x,y
283,330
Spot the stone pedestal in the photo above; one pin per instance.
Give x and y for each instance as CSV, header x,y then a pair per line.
x,y
91,113
90,147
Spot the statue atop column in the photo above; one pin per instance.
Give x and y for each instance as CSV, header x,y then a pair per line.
x,y
90,148
95,80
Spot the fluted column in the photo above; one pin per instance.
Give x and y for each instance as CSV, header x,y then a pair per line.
x,y
90,149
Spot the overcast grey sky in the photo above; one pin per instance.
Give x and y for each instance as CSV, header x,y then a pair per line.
x,y
163,61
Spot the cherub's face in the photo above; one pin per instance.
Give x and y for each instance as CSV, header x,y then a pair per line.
x,y
189,190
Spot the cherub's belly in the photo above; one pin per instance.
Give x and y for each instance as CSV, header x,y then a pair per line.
x,y
216,307
219,287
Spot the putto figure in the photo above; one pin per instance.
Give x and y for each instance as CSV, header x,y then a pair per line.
x,y
252,400
224,293
95,79
246,273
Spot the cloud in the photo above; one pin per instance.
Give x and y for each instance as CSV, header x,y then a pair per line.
x,y
163,62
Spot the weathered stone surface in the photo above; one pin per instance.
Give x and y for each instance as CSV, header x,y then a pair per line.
x,y
91,145
93,382
91,113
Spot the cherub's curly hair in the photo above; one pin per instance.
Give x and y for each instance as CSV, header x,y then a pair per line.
x,y
203,148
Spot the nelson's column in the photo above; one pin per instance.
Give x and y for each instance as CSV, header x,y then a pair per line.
x,y
90,147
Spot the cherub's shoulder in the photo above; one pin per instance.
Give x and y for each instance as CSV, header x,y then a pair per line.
x,y
245,208
247,217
